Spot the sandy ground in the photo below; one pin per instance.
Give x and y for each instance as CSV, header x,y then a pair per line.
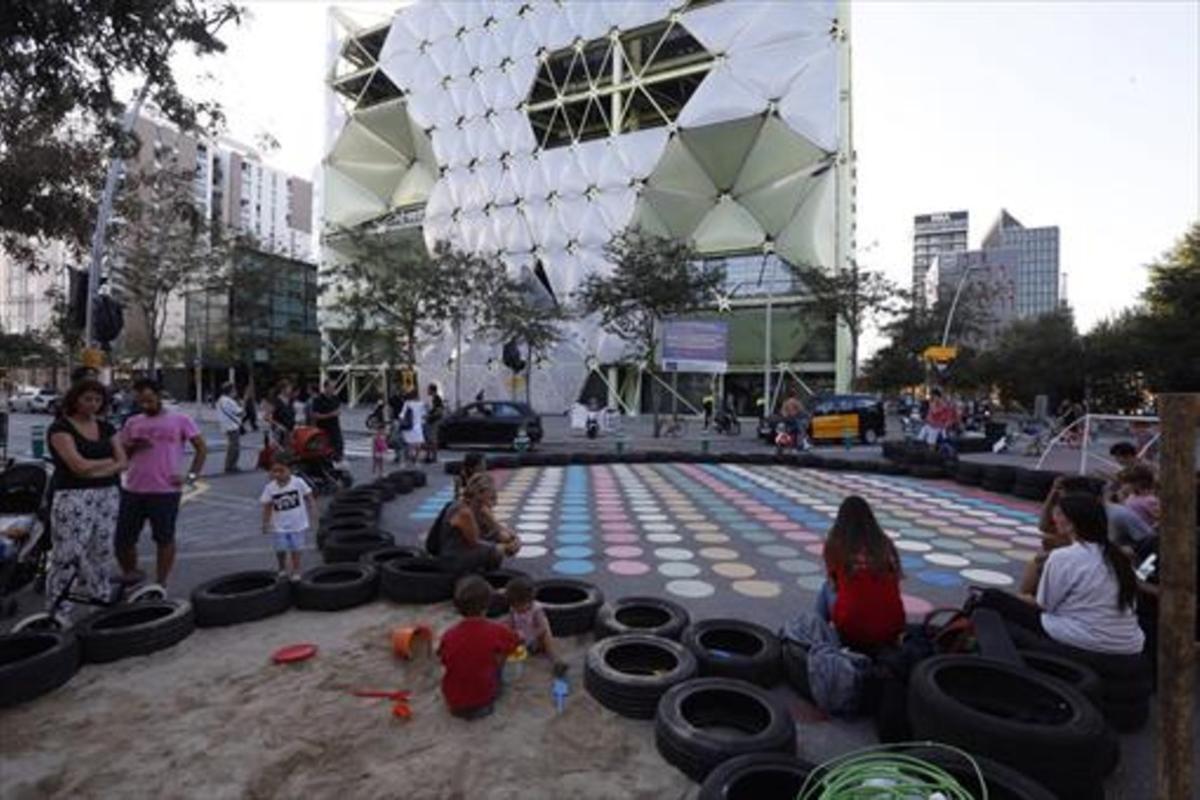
x,y
213,718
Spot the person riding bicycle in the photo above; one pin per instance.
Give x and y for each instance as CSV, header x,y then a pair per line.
x,y
725,416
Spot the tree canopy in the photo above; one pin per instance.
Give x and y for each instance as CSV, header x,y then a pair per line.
x,y
61,62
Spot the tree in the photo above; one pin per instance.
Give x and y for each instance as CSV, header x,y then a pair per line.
x,y
1042,355
900,363
60,61
522,311
854,296
653,279
1172,308
387,283
163,248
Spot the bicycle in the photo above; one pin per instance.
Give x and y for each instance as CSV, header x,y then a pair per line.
x,y
673,428
727,423
120,592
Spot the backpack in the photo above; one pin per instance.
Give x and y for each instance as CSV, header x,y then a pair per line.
x,y
837,676
433,539
406,420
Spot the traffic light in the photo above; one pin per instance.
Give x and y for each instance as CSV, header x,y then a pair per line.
x,y
512,356
77,299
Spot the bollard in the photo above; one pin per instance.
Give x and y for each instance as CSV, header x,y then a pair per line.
x,y
37,444
704,445
521,442
620,444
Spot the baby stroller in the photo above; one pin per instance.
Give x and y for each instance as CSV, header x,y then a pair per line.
x,y
312,457
23,507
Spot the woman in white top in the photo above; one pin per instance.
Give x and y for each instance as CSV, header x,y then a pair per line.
x,y
1085,598
412,426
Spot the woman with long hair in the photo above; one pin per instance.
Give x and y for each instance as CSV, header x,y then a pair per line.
x,y
471,540
1086,595
861,596
88,460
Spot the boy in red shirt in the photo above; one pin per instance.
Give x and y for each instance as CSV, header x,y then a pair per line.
x,y
473,652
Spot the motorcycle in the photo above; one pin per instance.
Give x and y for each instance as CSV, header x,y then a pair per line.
x,y
592,426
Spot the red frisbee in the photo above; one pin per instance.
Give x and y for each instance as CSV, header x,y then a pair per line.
x,y
294,653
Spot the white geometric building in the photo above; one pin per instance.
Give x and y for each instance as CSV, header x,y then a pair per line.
x,y
536,131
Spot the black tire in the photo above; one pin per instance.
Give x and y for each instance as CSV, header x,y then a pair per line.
x,y
498,579
968,473
652,616
402,482
999,478
704,722
629,673
756,776
387,490
1083,678
134,630
570,605
1125,716
1003,783
732,648
419,478
241,597
1033,484
350,548
415,580
33,663
927,471
333,587
1038,725
794,657
377,558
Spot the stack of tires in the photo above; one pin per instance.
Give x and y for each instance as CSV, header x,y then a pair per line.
x,y
999,478
1120,686
1039,725
968,473
350,527
637,656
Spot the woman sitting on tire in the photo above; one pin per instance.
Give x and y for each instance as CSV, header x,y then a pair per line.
x,y
88,460
861,595
471,540
1085,597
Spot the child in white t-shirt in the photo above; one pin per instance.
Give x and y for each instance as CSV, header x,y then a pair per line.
x,y
288,505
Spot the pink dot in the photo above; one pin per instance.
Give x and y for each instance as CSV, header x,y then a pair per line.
x,y
816,549
620,538
801,536
623,551
616,527
628,567
612,516
772,516
784,527
915,606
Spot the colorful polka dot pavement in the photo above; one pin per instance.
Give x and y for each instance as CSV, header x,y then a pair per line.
x,y
746,535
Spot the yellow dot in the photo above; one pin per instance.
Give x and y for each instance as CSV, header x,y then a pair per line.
x,y
734,569
712,538
718,553
757,588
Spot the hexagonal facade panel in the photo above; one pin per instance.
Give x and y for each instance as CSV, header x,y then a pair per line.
x,y
535,131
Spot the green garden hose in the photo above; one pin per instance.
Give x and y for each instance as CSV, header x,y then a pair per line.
x,y
884,773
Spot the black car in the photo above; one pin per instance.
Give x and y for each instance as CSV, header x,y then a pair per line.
x,y
492,422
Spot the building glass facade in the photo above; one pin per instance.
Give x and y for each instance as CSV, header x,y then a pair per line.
x,y
1037,279
935,235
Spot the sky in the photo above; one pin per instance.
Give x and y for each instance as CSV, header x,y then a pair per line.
x,y
1084,115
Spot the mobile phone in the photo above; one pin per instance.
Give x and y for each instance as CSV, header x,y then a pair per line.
x,y
1148,567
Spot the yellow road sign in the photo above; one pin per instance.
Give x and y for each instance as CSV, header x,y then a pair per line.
x,y
938,353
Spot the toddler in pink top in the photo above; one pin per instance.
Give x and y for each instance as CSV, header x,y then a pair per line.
x,y
528,620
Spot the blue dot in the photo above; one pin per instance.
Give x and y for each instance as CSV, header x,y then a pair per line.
x,y
574,538
576,519
575,551
422,516
575,527
938,577
574,567
912,562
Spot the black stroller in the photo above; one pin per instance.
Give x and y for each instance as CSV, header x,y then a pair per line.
x,y
23,506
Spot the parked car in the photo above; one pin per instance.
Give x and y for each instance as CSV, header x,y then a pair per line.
x,y
830,417
37,401
489,423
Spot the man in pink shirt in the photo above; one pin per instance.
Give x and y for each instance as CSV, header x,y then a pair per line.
x,y
154,440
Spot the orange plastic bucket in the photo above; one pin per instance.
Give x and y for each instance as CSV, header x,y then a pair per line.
x,y
412,640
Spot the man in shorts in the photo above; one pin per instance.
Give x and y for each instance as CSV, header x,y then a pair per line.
x,y
153,487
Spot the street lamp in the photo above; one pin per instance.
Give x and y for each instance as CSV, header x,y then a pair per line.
x,y
962,282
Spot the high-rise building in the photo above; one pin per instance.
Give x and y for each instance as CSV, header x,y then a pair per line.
x,y
533,133
1037,278
935,235
1014,273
